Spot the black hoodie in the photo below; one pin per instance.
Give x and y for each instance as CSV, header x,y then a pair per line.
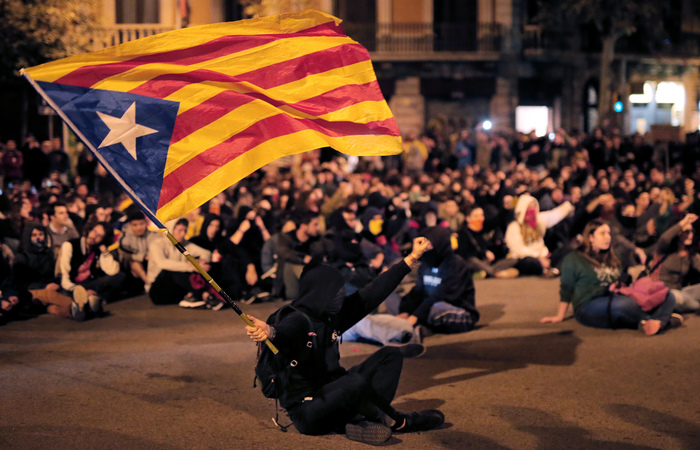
x,y
322,298
443,276
34,265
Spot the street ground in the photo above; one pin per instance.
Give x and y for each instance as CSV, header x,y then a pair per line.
x,y
160,377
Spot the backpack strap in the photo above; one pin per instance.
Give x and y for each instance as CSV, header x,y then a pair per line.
x,y
310,344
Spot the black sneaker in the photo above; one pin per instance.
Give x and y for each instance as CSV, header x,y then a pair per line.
x,y
372,433
422,421
675,321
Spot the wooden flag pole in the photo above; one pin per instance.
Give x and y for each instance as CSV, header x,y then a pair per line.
x,y
214,284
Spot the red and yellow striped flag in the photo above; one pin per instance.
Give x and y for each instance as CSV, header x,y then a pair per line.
x,y
179,117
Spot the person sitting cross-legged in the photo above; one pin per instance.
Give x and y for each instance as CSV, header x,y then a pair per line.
x,y
87,262
321,396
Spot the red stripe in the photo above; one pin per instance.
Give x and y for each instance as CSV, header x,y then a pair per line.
x,y
298,68
87,76
225,102
211,159
265,77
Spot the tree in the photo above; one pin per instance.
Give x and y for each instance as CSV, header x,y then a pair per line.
x,y
37,31
613,19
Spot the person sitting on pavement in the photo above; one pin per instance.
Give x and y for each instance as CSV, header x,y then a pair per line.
x,y
525,235
60,227
321,396
676,257
589,278
171,277
133,249
34,266
18,301
476,248
443,299
296,250
87,262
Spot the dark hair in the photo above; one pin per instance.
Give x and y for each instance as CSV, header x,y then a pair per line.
x,y
109,232
135,215
585,248
470,208
304,216
182,221
51,208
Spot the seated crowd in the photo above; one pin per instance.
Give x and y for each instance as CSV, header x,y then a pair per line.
x,y
491,205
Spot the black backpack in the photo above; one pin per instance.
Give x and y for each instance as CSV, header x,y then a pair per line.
x,y
273,370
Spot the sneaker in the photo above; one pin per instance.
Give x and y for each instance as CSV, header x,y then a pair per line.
x,y
372,433
262,295
96,304
675,321
508,273
428,419
551,272
193,303
77,307
215,304
479,275
417,337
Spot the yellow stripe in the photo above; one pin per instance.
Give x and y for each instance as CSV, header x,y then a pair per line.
x,y
296,91
179,39
267,152
243,117
363,112
217,132
231,65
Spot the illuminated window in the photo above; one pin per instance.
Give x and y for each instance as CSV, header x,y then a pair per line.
x,y
670,92
528,118
645,97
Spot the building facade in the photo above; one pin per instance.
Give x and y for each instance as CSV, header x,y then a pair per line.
x,y
471,61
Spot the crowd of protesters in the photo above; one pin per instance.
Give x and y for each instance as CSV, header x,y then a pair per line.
x,y
513,204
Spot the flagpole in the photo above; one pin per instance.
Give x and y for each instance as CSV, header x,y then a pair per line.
x,y
145,209
213,283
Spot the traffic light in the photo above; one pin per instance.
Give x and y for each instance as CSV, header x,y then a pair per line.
x,y
618,106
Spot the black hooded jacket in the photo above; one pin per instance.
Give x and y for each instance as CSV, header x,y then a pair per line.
x,y
34,266
443,276
322,298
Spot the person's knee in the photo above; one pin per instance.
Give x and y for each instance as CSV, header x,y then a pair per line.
x,y
391,357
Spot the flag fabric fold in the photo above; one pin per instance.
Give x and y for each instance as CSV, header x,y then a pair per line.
x,y
180,116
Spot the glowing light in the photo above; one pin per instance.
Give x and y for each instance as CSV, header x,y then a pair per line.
x,y
487,125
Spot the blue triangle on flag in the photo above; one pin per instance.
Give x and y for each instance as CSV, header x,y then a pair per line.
x,y
143,175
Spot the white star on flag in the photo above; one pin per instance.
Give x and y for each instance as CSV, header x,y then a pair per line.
x,y
124,130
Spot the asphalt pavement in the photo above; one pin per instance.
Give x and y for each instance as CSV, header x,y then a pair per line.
x,y
161,377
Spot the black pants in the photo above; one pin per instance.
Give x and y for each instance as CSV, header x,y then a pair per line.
x,y
108,287
366,389
170,287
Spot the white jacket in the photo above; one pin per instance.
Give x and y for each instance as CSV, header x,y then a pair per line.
x,y
108,264
517,248
162,255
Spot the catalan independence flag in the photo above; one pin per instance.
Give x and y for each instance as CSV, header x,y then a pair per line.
x,y
180,116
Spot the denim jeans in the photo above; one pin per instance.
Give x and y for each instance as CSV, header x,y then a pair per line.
x,y
624,312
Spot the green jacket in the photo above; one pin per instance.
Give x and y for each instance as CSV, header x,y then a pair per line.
x,y
581,281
